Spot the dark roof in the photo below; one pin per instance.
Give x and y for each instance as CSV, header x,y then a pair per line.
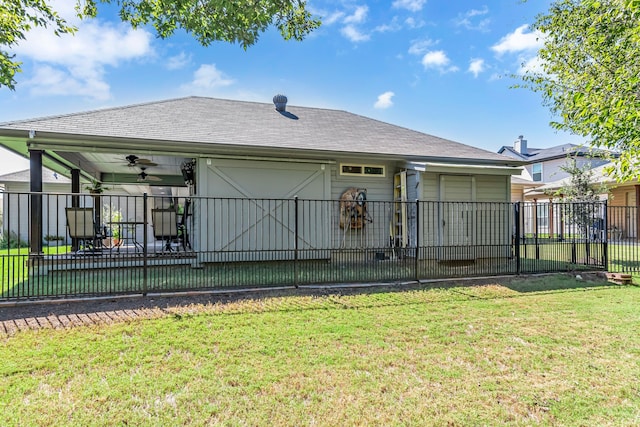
x,y
210,122
536,155
48,177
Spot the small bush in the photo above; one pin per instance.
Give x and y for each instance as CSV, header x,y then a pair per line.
x,y
11,241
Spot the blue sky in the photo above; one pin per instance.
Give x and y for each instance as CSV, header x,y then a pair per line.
x,y
437,66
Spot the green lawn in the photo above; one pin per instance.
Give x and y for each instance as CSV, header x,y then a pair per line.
x,y
352,267
532,351
13,263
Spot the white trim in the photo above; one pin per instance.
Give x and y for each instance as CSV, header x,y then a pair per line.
x,y
461,168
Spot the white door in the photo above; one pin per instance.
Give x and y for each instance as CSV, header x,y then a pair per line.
x,y
250,209
457,216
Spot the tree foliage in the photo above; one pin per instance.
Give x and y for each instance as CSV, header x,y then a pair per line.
x,y
581,194
582,185
17,17
234,21
589,74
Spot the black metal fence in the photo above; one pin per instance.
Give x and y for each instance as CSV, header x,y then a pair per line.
x,y
119,244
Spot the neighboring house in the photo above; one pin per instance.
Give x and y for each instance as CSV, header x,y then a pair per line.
x,y
252,150
543,176
623,200
16,184
544,165
16,187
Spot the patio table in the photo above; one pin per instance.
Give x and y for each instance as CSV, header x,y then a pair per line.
x,y
129,235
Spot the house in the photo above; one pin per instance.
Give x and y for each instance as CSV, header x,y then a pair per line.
x,y
16,188
623,201
543,176
544,165
225,149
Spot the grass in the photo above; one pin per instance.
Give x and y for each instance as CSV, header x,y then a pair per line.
x,y
546,351
13,262
92,279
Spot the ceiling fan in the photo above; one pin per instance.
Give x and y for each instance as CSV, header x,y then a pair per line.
x,y
133,160
145,177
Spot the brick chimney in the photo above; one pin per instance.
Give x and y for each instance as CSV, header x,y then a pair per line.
x,y
520,145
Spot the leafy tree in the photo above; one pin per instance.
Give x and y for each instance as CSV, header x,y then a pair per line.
x,y
581,194
237,21
589,74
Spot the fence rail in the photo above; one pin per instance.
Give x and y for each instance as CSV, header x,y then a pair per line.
x,y
119,244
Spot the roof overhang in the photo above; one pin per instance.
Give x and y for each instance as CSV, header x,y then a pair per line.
x,y
468,169
20,142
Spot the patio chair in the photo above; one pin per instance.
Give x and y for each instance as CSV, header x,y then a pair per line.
x,y
82,228
165,226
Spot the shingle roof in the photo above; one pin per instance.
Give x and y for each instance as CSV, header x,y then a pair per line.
x,y
48,177
541,154
243,124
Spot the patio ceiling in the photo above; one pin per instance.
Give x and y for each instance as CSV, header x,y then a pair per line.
x,y
115,168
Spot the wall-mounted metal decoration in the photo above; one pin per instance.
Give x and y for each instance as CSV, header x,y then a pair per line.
x,y
353,208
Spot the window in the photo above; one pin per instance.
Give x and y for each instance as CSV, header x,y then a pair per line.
x,y
542,214
362,170
536,172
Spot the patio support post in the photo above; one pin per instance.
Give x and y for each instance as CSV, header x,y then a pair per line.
x,y
75,201
35,226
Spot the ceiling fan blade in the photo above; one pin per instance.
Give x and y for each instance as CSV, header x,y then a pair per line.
x,y
146,162
153,178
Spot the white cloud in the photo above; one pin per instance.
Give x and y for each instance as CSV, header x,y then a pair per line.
x,y
208,77
358,17
47,80
332,18
78,63
384,101
476,66
350,31
178,61
435,59
466,20
519,40
438,60
390,27
411,5
353,34
412,23
418,47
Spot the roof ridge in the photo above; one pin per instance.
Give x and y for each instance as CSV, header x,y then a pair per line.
x,y
157,102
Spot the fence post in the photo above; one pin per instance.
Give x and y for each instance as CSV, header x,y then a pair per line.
x,y
605,238
145,261
417,261
295,256
516,237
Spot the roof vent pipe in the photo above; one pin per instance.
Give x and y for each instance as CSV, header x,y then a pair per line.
x,y
280,102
